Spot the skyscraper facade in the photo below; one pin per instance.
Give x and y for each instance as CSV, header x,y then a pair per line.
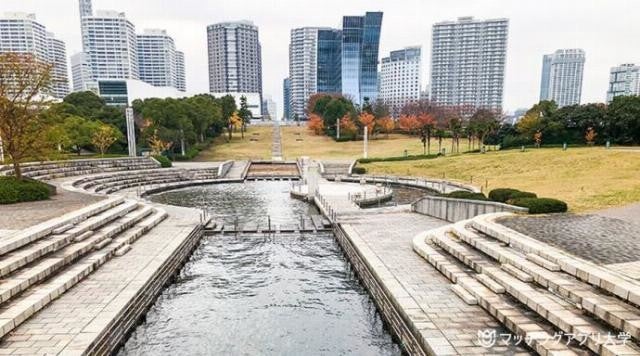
x,y
158,59
110,44
235,63
180,71
360,44
286,95
21,33
468,59
623,80
562,76
400,78
81,72
329,61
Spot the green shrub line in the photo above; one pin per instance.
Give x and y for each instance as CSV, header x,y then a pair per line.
x,y
514,197
13,190
164,161
541,205
359,170
502,195
397,158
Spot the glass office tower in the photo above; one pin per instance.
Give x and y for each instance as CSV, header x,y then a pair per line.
x,y
360,43
329,60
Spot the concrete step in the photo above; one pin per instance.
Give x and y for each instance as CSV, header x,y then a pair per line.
x,y
28,253
21,307
150,182
36,232
45,267
611,310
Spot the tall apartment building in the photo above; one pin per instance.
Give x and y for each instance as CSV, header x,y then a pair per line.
x,y
561,79
158,61
286,99
235,62
81,72
181,71
623,80
468,59
360,44
21,33
400,78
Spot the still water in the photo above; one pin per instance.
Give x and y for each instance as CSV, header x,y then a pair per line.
x,y
254,294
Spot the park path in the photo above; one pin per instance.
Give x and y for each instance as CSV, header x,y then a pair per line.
x,y
276,147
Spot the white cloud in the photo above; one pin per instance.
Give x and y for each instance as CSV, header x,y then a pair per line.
x,y
607,30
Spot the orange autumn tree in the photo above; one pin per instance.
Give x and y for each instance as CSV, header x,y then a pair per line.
x,y
347,126
316,124
409,124
590,136
386,125
367,120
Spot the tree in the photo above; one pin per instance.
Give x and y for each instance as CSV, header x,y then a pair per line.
x,y
245,114
427,123
316,124
367,120
386,124
454,123
537,138
484,122
590,136
347,126
623,119
530,124
228,105
409,124
104,137
157,144
235,121
24,81
79,131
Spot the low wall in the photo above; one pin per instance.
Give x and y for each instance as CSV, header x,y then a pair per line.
x,y
224,168
391,313
116,334
454,210
437,185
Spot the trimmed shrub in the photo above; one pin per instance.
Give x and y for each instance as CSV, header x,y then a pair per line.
x,y
502,195
397,158
359,170
164,161
463,194
15,191
540,205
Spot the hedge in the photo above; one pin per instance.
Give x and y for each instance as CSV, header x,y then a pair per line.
x,y
540,205
15,191
164,161
502,195
359,170
463,194
396,158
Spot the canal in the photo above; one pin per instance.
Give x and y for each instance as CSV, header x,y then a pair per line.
x,y
256,294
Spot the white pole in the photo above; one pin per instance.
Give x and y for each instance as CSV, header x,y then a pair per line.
x,y
338,130
1,151
366,141
131,132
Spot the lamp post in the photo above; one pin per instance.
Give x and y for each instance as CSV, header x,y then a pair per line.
x,y
131,132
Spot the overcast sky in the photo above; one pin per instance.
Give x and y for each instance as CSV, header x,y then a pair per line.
x,y
608,30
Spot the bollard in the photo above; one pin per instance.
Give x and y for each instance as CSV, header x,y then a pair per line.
x,y
269,219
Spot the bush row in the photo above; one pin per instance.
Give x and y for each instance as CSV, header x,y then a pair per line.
x,y
396,159
515,197
164,161
192,151
15,191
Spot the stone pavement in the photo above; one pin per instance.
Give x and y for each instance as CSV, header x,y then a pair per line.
x,y
599,239
73,322
22,215
276,147
629,213
237,170
446,323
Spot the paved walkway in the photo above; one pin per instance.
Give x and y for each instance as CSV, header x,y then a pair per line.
x,y
22,215
237,170
629,213
599,239
276,147
73,321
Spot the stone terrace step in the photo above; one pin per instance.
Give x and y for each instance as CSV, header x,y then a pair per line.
x,y
36,232
561,313
78,260
91,181
98,186
588,272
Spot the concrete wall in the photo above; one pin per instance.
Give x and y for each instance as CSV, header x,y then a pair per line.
x,y
454,210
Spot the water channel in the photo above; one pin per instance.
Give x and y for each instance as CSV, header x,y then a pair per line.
x,y
255,294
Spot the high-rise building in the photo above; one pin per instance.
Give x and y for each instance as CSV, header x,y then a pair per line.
x,y
468,59
329,61
81,72
286,96
562,76
360,43
180,71
235,63
21,33
623,80
400,78
269,108
110,44
158,59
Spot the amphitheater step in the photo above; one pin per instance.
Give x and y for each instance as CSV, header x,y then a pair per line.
x,y
464,295
543,262
516,273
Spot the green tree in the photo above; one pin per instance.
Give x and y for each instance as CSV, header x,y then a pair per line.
x,y
623,119
79,131
245,114
484,122
104,136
